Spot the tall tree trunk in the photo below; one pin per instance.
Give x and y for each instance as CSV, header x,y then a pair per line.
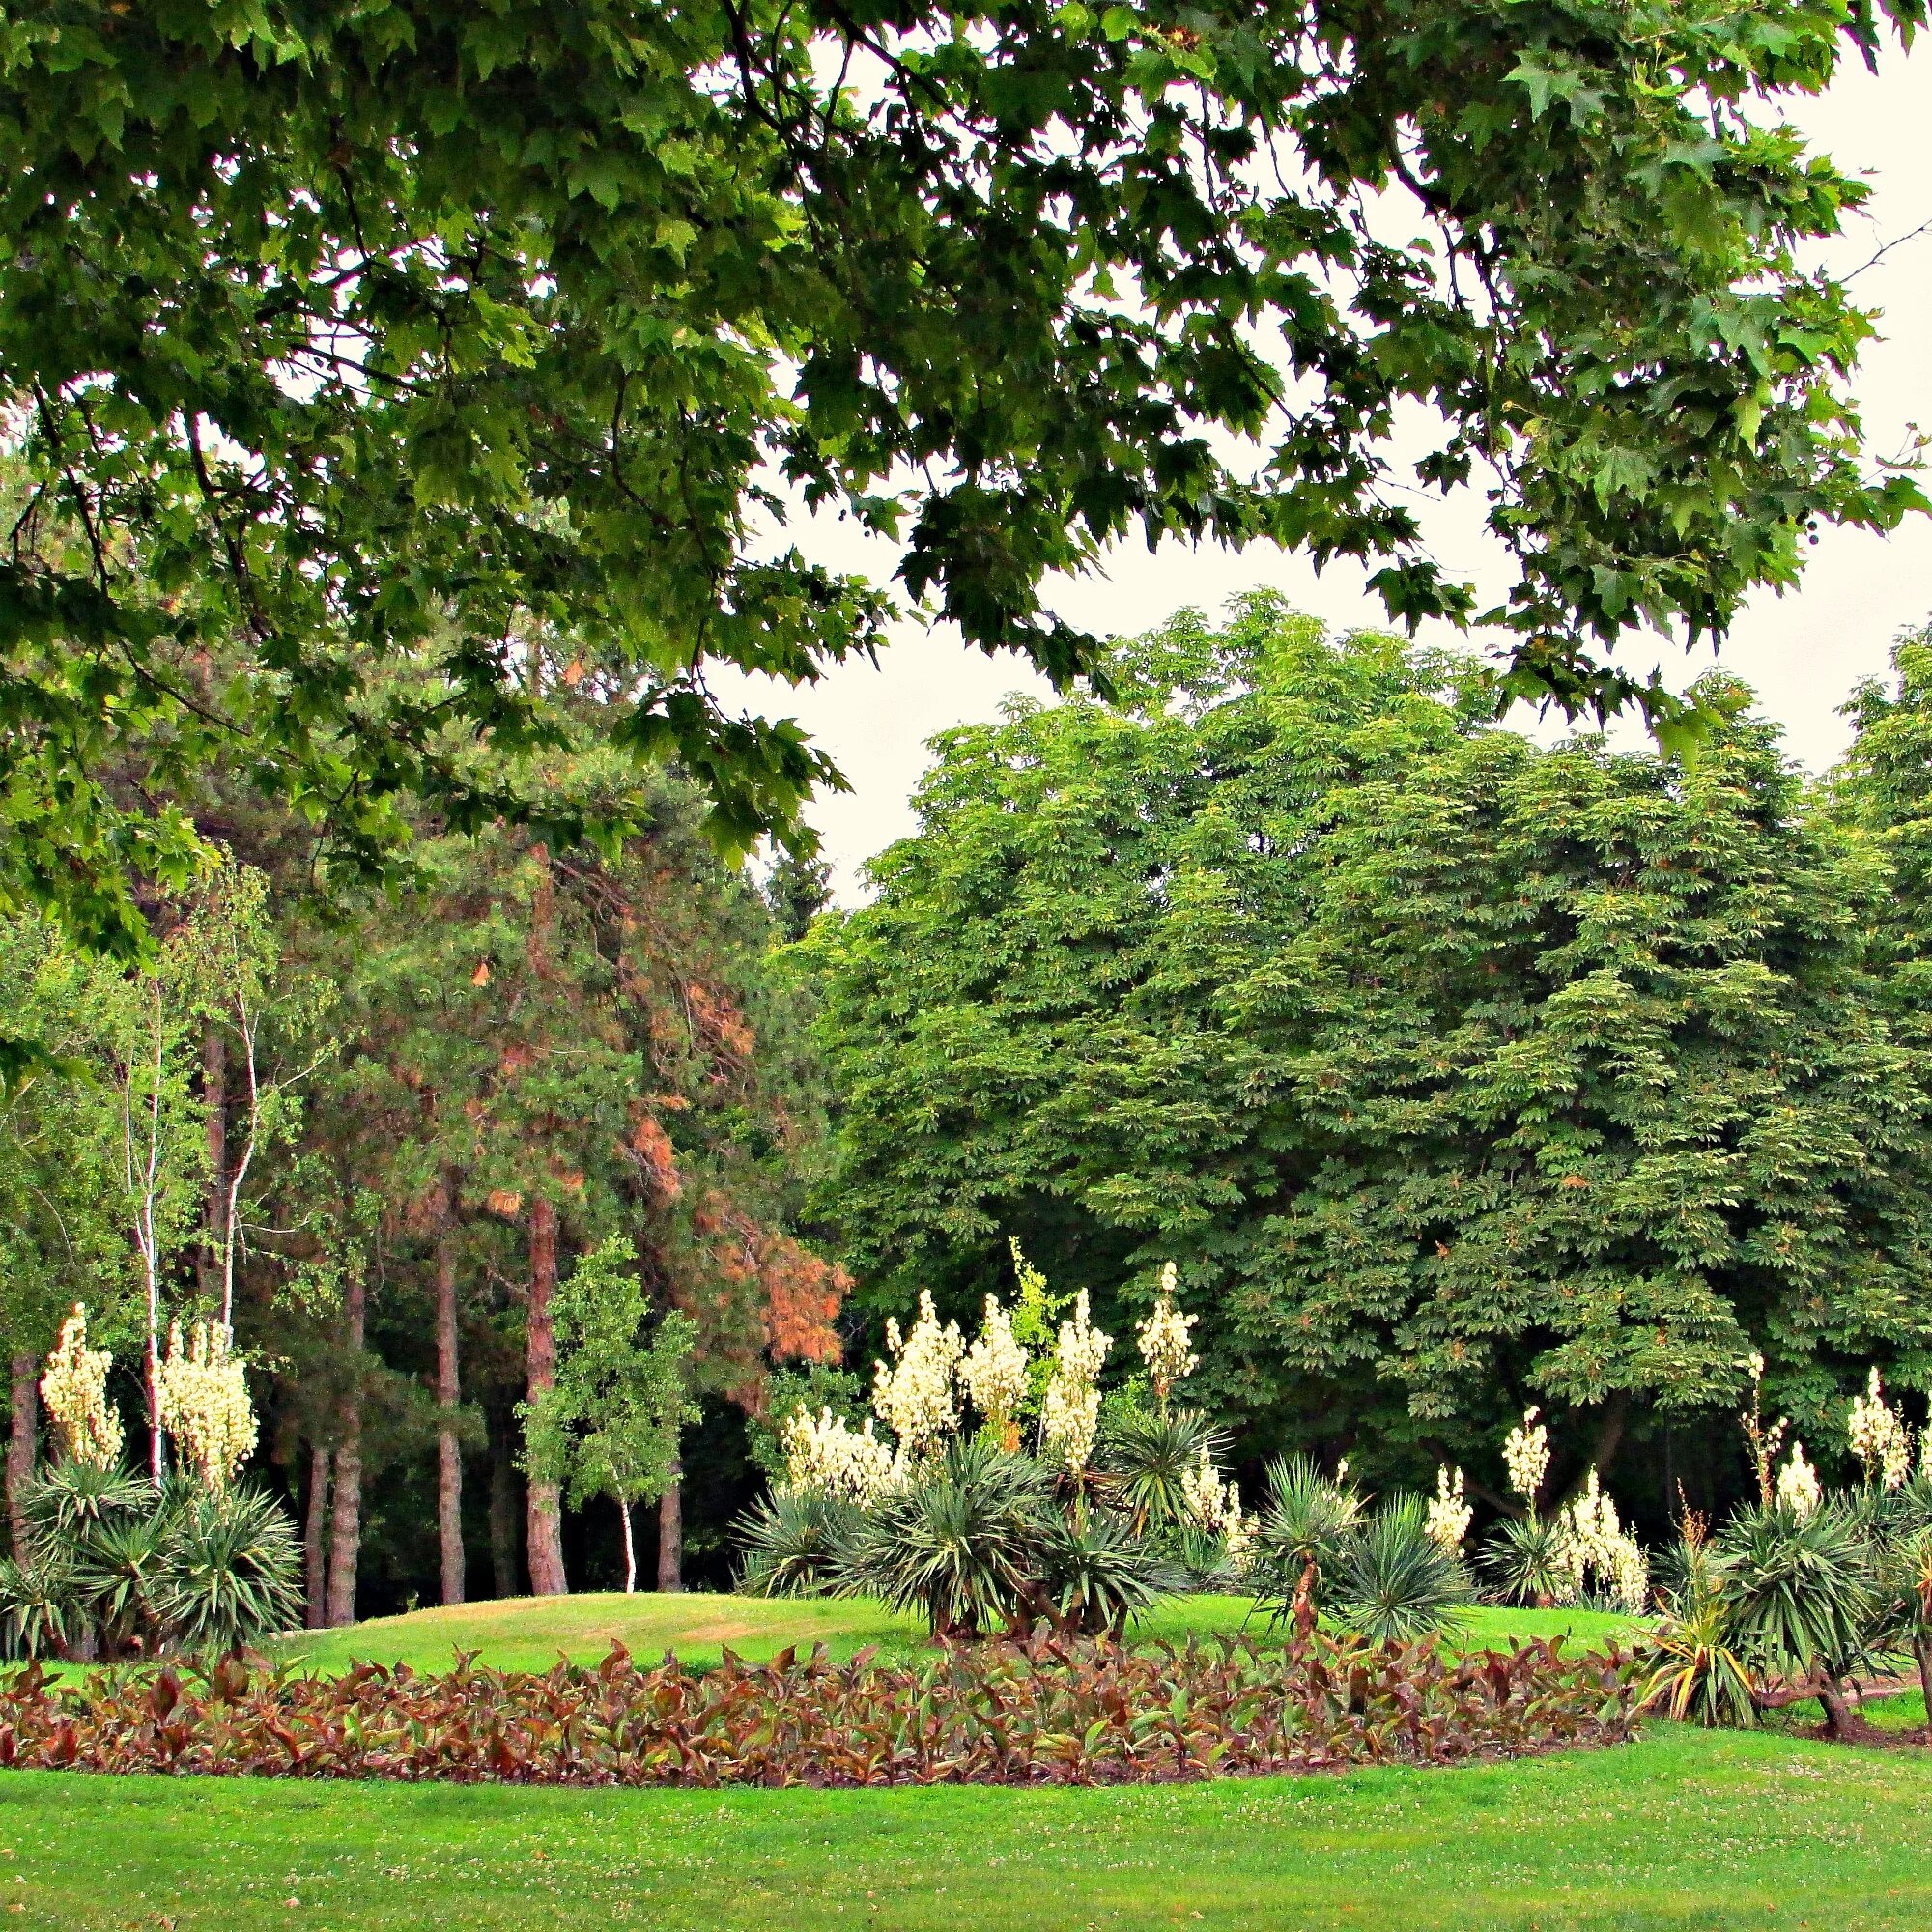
x,y
629,1550
314,1553
670,1532
215,1210
21,1444
345,1527
504,1569
448,1449
544,1531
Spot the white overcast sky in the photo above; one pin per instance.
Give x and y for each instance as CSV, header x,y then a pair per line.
x,y
1802,652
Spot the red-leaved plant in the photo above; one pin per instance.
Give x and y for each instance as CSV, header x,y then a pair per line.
x,y
1046,1713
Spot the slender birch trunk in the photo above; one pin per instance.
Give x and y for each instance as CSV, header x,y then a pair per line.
x,y
215,1215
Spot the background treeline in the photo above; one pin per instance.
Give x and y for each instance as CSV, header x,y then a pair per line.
x,y
407,1116
1456,1073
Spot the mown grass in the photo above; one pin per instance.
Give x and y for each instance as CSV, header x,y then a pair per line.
x,y
1681,1832
529,1632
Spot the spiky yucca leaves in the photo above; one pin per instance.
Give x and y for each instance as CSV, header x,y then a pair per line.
x,y
1523,1558
1693,1668
1393,1583
1098,1572
791,1539
961,1540
1802,1591
39,1605
231,1572
120,1570
1198,1557
1146,1457
1304,1526
71,1499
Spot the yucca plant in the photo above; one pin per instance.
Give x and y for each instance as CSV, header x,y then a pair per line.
x,y
231,1572
1393,1583
1097,1572
70,1499
120,1571
1905,1593
1523,1560
791,1539
1693,1668
1804,1592
1304,1526
41,1611
1146,1457
962,1542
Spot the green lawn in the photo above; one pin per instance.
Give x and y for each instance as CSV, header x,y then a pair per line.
x,y
1682,1829
527,1632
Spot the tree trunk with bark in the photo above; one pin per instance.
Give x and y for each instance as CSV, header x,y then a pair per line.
x,y
670,1532
315,1548
504,1569
21,1444
544,1524
448,1446
215,1210
345,1528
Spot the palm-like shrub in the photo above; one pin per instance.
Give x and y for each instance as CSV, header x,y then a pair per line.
x,y
119,1572
39,1605
962,1540
1695,1671
231,1572
1524,1559
1803,1592
1147,1458
1392,1581
71,1499
1098,1572
1307,1521
791,1541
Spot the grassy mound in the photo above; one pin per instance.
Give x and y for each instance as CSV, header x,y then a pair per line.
x,y
532,1632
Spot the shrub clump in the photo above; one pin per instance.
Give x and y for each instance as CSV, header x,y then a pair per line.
x,y
1050,1712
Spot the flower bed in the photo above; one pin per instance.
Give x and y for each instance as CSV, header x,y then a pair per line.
x,y
1050,1712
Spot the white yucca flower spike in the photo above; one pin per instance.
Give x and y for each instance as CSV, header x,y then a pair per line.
x,y
1070,1415
74,1390
1449,1516
1164,1338
205,1406
825,1455
1799,1488
1878,1435
995,1372
1526,1455
913,1394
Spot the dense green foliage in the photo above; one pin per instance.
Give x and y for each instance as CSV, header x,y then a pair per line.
x,y
1457,1073
346,334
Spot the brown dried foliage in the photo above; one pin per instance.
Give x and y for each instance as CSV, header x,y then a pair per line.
x,y
1048,1712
